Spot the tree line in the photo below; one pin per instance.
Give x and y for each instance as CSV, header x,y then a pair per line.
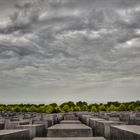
x,y
72,107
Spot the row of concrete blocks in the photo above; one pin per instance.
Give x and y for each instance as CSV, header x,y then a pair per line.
x,y
27,129
47,119
70,130
129,117
70,138
111,130
101,127
24,132
70,116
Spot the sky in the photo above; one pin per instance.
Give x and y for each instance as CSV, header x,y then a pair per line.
x,y
69,50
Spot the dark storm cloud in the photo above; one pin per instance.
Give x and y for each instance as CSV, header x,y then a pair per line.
x,y
75,43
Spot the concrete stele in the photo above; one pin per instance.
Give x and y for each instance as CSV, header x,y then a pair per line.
x,y
70,122
102,127
14,134
122,132
69,130
72,138
36,130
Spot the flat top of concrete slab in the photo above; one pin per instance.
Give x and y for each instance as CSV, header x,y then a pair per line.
x,y
10,131
23,121
88,116
111,122
69,126
71,138
131,128
73,121
96,119
32,125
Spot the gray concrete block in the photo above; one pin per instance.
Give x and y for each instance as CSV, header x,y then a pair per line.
x,y
44,122
92,123
125,132
69,130
85,119
14,134
49,118
14,124
2,125
72,138
70,117
36,130
70,122
102,128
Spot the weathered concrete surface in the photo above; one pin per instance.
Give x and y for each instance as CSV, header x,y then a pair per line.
x,y
92,123
2,125
13,124
70,122
85,119
125,132
130,117
14,134
44,122
102,127
36,130
72,138
70,116
111,116
79,114
69,130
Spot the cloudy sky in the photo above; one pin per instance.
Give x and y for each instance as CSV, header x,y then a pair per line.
x,y
60,50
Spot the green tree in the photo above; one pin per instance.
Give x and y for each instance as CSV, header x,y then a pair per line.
x,y
53,105
1,108
94,109
112,108
65,108
32,109
137,108
76,108
58,109
23,109
101,108
122,107
80,103
49,109
71,109
84,108
42,109
131,107
71,104
113,103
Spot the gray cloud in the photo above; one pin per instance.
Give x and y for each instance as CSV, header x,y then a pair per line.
x,y
73,44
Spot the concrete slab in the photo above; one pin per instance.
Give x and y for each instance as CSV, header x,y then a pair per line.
x,y
70,122
36,130
125,132
14,124
2,125
85,119
41,122
72,138
69,130
92,123
70,116
102,127
14,134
